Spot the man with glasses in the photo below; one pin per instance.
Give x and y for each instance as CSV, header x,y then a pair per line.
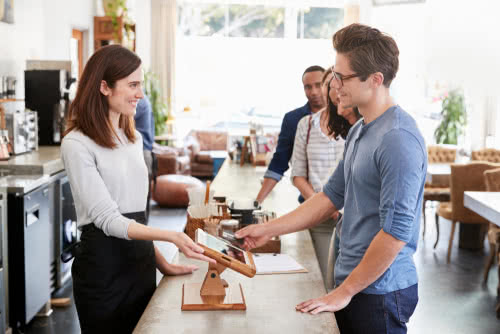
x,y
379,183
311,80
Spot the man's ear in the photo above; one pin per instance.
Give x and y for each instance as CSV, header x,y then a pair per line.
x,y
105,90
378,79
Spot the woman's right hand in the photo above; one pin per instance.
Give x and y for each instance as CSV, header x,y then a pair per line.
x,y
190,248
255,236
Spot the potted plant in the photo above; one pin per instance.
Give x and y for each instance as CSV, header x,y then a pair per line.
x,y
453,119
152,90
116,9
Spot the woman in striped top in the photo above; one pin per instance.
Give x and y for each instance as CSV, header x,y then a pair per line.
x,y
315,154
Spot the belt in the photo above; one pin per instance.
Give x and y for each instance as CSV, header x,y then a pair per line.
x,y
69,252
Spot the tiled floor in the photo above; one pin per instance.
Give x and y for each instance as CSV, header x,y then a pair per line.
x,y
452,296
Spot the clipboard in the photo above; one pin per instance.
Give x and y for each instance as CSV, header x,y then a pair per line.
x,y
271,264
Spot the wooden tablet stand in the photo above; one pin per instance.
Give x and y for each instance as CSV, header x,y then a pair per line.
x,y
213,294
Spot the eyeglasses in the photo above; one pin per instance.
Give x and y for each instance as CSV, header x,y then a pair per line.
x,y
340,78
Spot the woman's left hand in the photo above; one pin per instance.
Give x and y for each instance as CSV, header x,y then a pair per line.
x,y
177,269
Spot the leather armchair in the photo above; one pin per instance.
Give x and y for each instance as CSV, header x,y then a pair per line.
x,y
200,144
464,177
438,193
172,160
487,154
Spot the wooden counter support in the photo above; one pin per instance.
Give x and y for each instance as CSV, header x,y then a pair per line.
x,y
211,294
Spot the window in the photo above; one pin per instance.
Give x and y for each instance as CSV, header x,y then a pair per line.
x,y
233,20
242,61
202,19
256,21
316,22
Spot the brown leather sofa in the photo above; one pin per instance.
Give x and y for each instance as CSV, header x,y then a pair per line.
x,y
200,143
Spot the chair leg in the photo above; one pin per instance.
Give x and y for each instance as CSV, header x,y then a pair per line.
x,y
437,230
451,241
489,263
423,214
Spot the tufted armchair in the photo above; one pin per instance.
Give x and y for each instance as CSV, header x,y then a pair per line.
x,y
201,143
464,177
487,154
492,179
440,154
172,160
437,154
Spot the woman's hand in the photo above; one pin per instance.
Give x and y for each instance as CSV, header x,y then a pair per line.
x,y
175,269
255,236
189,247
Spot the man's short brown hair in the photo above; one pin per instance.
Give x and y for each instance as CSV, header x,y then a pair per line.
x,y
368,51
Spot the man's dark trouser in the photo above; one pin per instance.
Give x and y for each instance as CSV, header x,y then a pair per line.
x,y
387,313
152,164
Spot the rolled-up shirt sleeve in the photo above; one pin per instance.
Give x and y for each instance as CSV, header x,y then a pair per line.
x,y
401,162
299,156
90,192
334,189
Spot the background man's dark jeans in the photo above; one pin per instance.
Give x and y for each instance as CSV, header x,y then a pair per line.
x,y
387,313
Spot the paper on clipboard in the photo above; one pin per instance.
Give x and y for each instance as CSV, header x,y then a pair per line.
x,y
268,264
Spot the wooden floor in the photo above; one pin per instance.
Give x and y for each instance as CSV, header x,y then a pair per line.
x,y
452,296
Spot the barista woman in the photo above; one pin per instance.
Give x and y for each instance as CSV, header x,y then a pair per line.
x,y
114,272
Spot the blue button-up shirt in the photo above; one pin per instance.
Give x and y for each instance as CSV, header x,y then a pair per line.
x,y
380,184
145,122
284,149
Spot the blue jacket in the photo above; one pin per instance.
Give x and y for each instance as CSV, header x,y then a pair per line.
x,y
284,150
145,122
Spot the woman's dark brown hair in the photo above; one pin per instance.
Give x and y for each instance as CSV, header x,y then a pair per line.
x,y
337,125
89,112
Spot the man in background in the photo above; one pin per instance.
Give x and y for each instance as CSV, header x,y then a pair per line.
x,y
311,79
145,124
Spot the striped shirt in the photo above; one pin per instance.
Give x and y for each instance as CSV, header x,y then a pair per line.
x,y
323,153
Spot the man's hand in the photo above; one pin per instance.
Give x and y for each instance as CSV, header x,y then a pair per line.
x,y
255,236
332,302
335,215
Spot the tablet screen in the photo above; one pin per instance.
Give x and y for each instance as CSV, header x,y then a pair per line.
x,y
220,245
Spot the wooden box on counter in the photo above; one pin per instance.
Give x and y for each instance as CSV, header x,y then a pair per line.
x,y
272,246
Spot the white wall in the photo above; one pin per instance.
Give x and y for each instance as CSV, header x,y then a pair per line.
x,y
41,30
140,11
453,42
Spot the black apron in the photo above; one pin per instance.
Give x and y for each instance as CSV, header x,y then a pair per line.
x,y
113,280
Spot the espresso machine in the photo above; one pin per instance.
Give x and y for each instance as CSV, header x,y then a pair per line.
x,y
48,93
22,126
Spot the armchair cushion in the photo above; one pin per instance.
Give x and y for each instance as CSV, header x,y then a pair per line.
x,y
204,158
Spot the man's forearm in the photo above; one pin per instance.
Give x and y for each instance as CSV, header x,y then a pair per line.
x,y
304,186
378,257
312,212
266,188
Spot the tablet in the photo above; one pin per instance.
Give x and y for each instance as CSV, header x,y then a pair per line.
x,y
226,254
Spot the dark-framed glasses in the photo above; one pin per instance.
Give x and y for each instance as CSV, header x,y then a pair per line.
x,y
340,77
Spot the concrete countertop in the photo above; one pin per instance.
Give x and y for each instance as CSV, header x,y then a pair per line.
x,y
45,161
23,184
270,299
